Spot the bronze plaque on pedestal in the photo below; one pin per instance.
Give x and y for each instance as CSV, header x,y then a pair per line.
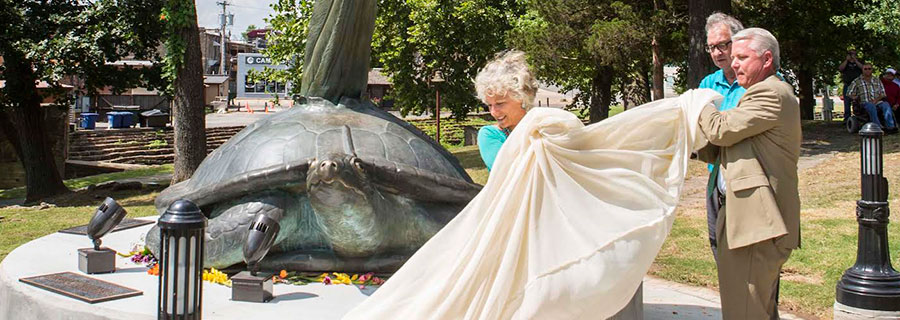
x,y
81,287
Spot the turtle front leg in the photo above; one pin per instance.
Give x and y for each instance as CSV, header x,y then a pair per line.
x,y
225,234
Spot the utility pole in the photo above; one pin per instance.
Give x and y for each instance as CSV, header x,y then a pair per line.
x,y
223,41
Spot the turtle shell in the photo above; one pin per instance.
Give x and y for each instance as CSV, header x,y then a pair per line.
x,y
312,129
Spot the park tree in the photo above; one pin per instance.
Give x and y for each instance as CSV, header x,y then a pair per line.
x,y
44,41
589,46
812,45
881,17
184,70
699,65
415,38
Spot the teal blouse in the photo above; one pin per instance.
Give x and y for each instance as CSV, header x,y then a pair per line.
x,y
490,139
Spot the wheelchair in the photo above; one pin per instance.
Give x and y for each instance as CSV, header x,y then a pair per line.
x,y
860,117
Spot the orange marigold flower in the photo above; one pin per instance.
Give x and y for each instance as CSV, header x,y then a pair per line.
x,y
283,274
154,270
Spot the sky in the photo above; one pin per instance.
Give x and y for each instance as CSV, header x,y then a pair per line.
x,y
246,12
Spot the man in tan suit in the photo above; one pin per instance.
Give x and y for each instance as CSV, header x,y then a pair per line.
x,y
757,144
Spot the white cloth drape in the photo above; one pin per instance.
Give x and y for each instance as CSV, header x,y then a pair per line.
x,y
566,227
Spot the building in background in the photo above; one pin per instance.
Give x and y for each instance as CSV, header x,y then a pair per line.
x,y
258,88
378,87
257,38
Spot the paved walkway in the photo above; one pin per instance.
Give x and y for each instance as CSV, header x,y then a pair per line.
x,y
670,300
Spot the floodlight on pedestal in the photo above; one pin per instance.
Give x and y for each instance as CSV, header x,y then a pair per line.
x,y
181,230
99,259
251,286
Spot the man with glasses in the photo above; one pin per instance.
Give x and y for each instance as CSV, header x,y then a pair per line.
x,y
719,29
850,69
870,93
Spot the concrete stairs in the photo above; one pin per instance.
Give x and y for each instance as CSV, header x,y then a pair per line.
x,y
142,146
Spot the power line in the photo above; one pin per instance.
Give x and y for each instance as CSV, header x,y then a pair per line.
x,y
254,8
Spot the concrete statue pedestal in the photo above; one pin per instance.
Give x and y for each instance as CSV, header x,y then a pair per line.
x,y
57,253
845,312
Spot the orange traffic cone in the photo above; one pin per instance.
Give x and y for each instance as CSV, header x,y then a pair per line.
x,y
267,107
248,108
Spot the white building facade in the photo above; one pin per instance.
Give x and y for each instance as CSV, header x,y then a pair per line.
x,y
261,89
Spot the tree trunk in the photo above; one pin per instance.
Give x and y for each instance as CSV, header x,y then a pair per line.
x,y
699,63
807,94
601,86
23,123
658,89
190,124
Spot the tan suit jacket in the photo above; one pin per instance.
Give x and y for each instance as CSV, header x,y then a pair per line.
x,y
759,145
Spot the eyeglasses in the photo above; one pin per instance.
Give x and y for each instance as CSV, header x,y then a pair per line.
x,y
722,46
867,68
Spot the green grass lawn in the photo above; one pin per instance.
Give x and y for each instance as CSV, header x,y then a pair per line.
x,y
78,183
20,225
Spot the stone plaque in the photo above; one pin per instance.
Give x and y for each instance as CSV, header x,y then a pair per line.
x,y
81,287
125,224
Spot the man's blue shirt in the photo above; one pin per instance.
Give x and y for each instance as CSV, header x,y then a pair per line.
x,y
732,91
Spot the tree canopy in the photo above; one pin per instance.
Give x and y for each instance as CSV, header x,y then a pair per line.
x,y
415,38
587,47
51,40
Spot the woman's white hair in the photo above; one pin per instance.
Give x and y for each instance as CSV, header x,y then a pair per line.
x,y
761,40
507,74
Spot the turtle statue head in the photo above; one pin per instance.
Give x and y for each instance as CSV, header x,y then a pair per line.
x,y
347,202
338,180
109,214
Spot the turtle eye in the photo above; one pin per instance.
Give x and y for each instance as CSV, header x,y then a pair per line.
x,y
357,163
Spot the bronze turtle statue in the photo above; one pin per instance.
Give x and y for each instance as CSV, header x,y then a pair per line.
x,y
353,188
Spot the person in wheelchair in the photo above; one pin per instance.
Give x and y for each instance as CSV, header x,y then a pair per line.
x,y
868,92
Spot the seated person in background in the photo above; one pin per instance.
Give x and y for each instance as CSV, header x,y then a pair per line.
x,y
870,91
896,78
508,87
891,89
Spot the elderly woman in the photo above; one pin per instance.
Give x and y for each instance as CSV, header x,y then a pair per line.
x,y
507,86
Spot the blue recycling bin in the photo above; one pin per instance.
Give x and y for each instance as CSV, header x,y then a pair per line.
x,y
116,119
127,119
89,120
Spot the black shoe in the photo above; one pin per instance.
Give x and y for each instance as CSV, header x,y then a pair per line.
x,y
890,130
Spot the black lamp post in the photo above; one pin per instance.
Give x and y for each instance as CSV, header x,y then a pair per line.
x,y
181,230
872,283
437,79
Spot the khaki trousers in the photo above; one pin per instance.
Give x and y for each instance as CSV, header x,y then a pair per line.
x,y
748,277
